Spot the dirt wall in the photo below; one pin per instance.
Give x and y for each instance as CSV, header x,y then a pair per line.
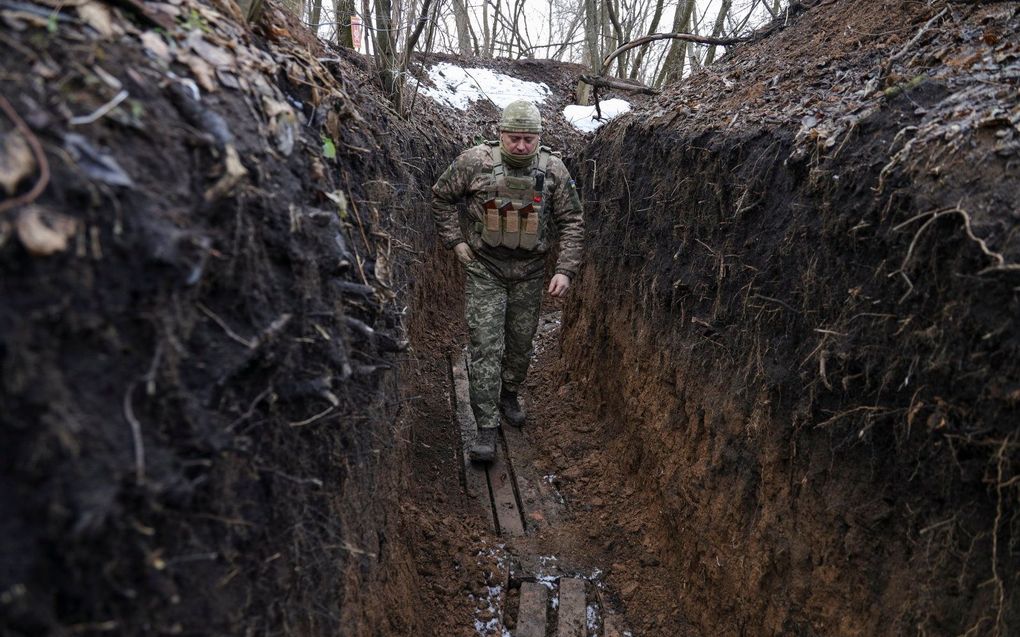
x,y
807,350
200,387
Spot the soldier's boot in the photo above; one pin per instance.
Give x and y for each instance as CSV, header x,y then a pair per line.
x,y
484,447
511,408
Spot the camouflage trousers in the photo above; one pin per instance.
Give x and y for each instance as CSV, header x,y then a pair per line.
x,y
502,317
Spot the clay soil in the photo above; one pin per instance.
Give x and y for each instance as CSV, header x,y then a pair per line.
x,y
781,399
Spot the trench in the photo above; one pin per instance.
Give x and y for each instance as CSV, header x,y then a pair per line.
x,y
740,424
781,398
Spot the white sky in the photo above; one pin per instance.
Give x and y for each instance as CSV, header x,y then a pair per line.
x,y
535,22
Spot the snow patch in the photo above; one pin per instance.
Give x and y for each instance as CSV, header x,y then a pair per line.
x,y
458,87
583,117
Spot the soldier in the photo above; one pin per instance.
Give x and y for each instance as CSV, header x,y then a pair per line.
x,y
517,193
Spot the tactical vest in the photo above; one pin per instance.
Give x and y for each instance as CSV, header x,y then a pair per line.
x,y
514,205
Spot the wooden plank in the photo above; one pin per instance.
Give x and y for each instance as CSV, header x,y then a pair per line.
x,y
541,504
573,608
504,500
475,481
531,613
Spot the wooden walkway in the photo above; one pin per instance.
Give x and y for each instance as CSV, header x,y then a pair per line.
x,y
553,607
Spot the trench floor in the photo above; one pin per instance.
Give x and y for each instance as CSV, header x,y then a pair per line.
x,y
539,591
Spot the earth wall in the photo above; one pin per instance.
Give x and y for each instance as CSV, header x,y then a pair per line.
x,y
202,320
801,279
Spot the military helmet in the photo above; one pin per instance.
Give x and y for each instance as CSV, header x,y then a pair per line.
x,y
521,117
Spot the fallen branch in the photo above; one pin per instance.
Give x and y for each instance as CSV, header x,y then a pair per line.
x,y
40,158
655,37
618,84
914,40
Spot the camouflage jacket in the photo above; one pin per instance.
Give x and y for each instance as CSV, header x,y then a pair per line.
x,y
470,178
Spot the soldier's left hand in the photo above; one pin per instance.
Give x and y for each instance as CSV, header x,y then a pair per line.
x,y
559,284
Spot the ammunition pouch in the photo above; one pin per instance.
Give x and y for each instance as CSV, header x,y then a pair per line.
x,y
513,209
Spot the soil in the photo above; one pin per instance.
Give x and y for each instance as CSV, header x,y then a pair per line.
x,y
781,399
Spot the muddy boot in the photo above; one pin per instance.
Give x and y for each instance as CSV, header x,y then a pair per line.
x,y
484,448
511,408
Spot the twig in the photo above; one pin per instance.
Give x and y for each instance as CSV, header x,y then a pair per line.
x,y
251,408
226,328
848,412
318,416
286,476
705,245
101,111
272,330
914,40
136,433
40,158
783,303
480,89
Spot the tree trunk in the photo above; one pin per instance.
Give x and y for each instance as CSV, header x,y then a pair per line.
x,y
460,14
673,67
316,15
720,20
551,40
635,71
344,12
592,29
371,44
592,57
387,56
618,40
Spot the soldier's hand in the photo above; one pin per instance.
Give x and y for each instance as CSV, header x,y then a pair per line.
x,y
464,253
559,285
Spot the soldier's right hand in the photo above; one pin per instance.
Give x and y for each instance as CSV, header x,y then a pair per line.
x,y
464,253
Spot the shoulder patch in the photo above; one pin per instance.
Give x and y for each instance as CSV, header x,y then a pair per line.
x,y
575,197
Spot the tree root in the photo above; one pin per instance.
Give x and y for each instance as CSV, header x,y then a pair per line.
x,y
40,158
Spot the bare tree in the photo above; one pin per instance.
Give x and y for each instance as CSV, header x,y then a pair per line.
x,y
315,15
724,10
636,69
673,67
486,28
343,15
611,14
592,52
460,12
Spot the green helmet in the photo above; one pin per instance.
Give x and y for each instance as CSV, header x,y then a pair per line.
x,y
521,117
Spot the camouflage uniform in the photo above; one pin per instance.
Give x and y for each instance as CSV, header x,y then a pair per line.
x,y
504,285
